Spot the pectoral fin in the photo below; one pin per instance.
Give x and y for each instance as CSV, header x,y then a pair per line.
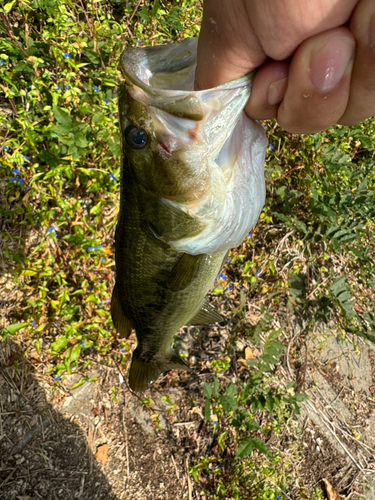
x,y
121,322
144,373
184,271
206,314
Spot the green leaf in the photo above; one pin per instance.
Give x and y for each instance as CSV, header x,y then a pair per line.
x,y
76,351
61,115
12,329
207,390
247,445
228,403
207,410
215,390
221,439
80,382
8,6
59,344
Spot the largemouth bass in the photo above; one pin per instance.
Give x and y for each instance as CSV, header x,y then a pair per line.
x,y
192,186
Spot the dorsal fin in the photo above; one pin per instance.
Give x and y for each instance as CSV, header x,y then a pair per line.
x,y
121,322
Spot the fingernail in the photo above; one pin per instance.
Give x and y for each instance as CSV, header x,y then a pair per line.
x,y
276,91
329,64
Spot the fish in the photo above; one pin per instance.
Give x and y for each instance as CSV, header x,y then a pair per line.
x,y
191,187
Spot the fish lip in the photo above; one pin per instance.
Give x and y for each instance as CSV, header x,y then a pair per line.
x,y
164,149
140,64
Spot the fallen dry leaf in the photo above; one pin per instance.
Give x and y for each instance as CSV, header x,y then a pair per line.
x,y
332,494
102,454
249,353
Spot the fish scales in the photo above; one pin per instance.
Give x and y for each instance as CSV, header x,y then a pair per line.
x,y
186,196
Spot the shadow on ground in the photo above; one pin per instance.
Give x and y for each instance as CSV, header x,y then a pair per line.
x,y
49,437
42,453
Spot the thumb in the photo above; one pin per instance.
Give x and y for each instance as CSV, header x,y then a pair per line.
x,y
227,45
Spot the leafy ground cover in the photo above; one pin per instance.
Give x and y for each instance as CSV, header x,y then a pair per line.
x,y
308,261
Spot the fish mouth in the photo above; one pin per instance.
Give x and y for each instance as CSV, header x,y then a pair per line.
x,y
164,79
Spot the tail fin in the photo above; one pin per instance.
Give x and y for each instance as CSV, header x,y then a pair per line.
x,y
144,373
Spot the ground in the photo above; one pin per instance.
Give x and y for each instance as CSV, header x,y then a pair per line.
x,y
56,443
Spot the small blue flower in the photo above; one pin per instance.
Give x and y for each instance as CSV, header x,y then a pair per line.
x,y
228,260
90,248
96,88
90,287
66,87
258,273
15,171
26,157
102,259
112,177
66,55
57,88
257,121
51,229
21,182
307,177
56,324
107,301
12,179
106,101
222,276
250,235
277,498
123,351
5,148
57,378
215,424
101,303
33,323
2,62
271,147
90,377
229,286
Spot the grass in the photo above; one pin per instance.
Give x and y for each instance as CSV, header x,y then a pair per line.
x,y
308,260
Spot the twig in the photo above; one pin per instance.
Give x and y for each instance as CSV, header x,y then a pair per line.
x,y
8,477
312,407
37,429
134,11
188,481
126,446
92,34
175,466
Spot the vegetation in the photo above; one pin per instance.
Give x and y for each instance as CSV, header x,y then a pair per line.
x,y
308,260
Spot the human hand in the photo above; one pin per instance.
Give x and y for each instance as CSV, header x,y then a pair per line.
x,y
316,58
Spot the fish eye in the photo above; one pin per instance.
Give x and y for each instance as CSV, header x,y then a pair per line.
x,y
136,138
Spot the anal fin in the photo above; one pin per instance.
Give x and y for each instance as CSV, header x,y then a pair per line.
x,y
184,271
121,322
143,373
206,314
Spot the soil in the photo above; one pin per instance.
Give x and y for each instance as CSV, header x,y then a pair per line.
x,y
61,444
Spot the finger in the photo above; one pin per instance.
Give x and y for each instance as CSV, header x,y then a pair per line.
x,y
319,82
227,46
361,103
268,90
